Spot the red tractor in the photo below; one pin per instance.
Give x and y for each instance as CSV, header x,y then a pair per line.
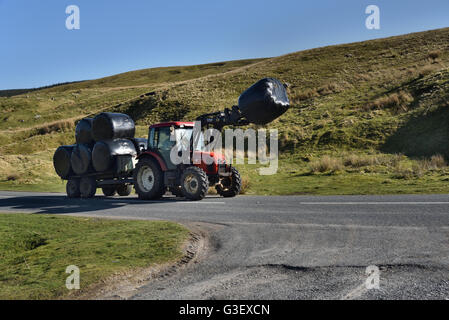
x,y
155,172
105,153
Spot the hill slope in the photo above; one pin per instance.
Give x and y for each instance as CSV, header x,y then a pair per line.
x,y
367,117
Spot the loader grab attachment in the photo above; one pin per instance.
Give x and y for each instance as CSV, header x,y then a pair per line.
x,y
262,103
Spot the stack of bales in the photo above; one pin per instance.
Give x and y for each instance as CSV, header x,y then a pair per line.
x,y
104,144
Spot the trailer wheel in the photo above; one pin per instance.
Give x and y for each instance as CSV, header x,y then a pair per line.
x,y
124,190
148,179
230,186
109,191
73,188
194,183
88,187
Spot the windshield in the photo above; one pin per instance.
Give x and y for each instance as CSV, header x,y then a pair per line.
x,y
183,138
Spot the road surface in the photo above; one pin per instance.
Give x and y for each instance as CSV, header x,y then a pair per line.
x,y
289,247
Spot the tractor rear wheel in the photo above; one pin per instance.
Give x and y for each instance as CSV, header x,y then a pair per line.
x,y
124,190
194,183
230,186
88,187
109,191
73,188
148,179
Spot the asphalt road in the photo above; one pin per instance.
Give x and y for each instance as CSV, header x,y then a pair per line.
x,y
296,247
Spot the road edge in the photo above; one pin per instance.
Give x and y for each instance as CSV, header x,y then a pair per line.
x,y
123,286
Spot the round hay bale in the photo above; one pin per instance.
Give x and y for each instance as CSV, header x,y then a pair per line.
x,y
81,159
264,101
61,161
83,131
105,152
109,126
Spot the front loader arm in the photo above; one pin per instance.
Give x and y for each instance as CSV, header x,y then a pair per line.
x,y
219,119
260,104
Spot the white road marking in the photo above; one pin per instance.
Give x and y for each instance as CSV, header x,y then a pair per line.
x,y
377,203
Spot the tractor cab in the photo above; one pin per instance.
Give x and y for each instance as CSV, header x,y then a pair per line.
x,y
163,137
155,172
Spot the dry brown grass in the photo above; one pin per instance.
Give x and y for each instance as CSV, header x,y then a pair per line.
x,y
396,102
398,165
425,71
329,88
305,95
434,54
434,163
56,127
358,161
325,164
245,185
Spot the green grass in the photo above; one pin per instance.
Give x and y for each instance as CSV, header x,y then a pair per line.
x,y
389,95
349,173
36,249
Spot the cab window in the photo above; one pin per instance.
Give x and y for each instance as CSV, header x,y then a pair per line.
x,y
163,139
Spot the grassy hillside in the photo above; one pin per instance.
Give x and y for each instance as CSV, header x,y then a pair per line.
x,y
367,117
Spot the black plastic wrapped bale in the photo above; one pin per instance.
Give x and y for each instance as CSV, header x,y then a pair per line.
x,y
81,159
105,152
108,126
83,131
61,161
264,101
140,144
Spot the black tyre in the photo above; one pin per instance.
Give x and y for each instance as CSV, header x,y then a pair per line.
x,y
109,191
124,190
230,186
88,187
194,183
73,188
176,191
148,179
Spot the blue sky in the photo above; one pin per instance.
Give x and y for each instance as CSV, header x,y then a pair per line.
x,y
36,49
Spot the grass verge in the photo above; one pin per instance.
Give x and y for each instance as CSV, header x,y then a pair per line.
x,y
35,251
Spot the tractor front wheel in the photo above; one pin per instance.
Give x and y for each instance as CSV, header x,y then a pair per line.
x,y
194,183
148,179
230,186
